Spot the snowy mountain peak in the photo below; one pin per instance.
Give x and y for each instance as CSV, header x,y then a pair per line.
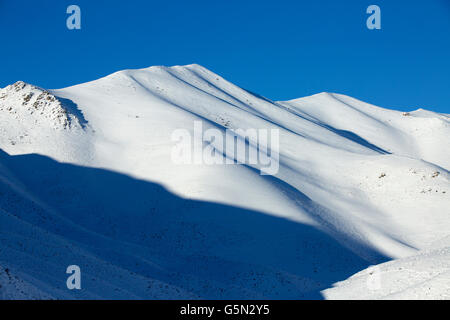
x,y
24,102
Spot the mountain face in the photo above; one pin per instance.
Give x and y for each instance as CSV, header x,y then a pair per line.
x,y
88,178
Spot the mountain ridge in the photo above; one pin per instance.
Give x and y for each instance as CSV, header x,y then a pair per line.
x,y
374,181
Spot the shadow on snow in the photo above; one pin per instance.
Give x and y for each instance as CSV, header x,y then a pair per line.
x,y
211,250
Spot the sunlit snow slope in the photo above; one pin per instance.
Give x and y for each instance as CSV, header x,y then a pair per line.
x,y
87,178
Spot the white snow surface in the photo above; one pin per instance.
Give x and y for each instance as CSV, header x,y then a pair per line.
x,y
86,178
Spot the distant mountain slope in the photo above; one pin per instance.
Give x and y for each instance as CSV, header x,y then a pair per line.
x,y
366,183
418,134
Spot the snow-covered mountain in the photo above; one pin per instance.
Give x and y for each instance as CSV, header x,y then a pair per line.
x,y
87,178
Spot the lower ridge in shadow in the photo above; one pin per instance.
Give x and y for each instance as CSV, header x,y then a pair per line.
x,y
209,250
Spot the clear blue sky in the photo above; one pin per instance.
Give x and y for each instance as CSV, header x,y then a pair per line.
x,y
279,49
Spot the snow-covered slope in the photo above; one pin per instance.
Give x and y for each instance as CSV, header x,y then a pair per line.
x,y
425,275
357,185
